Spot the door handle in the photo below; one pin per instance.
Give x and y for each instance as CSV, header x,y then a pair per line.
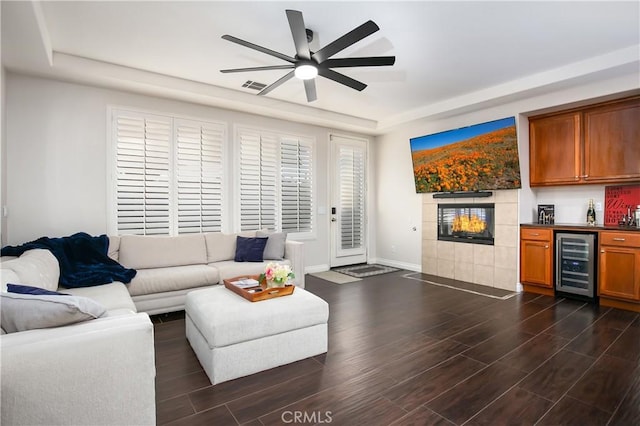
x,y
333,219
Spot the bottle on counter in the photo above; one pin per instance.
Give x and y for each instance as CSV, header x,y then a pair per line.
x,y
591,214
638,217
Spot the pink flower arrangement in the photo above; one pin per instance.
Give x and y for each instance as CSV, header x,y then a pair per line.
x,y
277,273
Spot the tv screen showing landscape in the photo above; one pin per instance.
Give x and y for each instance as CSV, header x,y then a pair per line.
x,y
475,158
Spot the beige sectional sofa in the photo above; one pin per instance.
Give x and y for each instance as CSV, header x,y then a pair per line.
x,y
102,371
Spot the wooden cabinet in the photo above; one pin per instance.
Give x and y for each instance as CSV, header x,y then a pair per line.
x,y
612,142
619,269
536,260
597,144
555,149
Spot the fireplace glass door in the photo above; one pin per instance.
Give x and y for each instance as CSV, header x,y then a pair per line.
x,y
466,223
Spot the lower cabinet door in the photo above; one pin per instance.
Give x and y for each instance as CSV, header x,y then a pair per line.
x,y
619,272
535,263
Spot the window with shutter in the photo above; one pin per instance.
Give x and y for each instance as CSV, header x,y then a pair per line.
x,y
296,185
142,170
352,202
275,174
198,173
169,174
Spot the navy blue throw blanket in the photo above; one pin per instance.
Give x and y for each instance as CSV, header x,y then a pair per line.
x,y
83,259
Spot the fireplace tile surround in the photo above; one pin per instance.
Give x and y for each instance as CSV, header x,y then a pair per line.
x,y
493,266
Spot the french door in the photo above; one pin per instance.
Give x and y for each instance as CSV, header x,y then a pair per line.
x,y
348,201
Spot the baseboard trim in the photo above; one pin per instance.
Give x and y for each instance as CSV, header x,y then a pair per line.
x,y
314,269
396,264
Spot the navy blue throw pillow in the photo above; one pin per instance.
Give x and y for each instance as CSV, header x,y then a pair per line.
x,y
26,289
250,249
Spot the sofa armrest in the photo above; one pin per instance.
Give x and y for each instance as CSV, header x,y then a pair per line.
x,y
96,372
294,252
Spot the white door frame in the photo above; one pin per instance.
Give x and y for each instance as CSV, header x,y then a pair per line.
x,y
340,256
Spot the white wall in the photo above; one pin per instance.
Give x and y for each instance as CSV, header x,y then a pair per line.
x,y
399,207
57,157
3,146
3,154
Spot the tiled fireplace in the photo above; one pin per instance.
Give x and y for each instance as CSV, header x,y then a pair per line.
x,y
491,265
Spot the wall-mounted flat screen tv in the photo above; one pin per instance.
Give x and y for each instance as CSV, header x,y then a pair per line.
x,y
475,158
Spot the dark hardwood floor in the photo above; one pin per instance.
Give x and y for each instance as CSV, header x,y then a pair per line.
x,y
405,352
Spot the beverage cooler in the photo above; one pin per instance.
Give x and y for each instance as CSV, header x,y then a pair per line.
x,y
576,264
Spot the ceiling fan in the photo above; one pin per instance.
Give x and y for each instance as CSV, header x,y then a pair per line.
x,y
306,65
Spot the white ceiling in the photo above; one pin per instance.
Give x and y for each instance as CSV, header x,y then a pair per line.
x,y
449,55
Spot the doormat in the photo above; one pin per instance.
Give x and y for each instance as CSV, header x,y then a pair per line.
x,y
362,271
335,277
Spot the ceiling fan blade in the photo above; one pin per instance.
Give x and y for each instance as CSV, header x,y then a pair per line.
x,y
259,48
345,41
373,61
276,84
299,33
342,79
310,89
267,68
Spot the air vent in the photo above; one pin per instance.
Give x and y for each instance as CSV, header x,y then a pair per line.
x,y
254,85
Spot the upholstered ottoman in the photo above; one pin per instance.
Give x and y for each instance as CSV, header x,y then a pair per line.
x,y
233,337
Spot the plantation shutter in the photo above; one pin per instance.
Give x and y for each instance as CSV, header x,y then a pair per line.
x,y
259,177
351,188
142,172
199,176
296,180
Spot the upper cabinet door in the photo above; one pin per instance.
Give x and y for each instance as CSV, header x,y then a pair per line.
x,y
612,142
555,155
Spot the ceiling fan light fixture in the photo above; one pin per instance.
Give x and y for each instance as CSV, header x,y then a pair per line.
x,y
306,71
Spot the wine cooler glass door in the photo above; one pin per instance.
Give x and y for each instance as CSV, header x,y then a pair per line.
x,y
575,272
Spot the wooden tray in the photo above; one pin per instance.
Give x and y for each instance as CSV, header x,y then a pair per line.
x,y
255,296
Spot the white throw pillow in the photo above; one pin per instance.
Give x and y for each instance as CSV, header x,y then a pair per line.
x,y
274,249
21,312
36,267
8,276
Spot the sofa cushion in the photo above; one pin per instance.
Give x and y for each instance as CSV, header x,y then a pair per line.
x,y
21,312
250,249
27,289
230,269
114,247
113,296
144,252
37,267
223,246
275,244
158,280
